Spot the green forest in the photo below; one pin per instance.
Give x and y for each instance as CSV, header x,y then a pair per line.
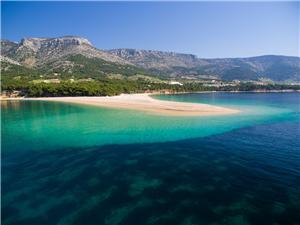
x,y
112,87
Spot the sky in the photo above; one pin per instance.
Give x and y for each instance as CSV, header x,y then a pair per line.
x,y
206,29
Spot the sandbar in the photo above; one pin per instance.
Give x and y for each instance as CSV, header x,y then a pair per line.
x,y
144,102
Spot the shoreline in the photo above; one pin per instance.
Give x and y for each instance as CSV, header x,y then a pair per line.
x,y
160,93
253,91
143,102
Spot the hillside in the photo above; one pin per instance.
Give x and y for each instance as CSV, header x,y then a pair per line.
x,y
177,65
62,58
36,52
75,57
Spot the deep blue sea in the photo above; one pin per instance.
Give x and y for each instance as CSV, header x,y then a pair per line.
x,y
71,164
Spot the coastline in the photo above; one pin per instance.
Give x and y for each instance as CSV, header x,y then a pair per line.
x,y
143,102
253,91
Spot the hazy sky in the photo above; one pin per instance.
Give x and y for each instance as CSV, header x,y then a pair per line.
x,y
217,29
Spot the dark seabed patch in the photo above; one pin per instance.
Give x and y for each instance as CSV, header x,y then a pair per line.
x,y
247,176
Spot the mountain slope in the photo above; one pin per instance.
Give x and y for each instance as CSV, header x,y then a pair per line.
x,y
276,68
156,59
80,66
72,56
65,57
35,52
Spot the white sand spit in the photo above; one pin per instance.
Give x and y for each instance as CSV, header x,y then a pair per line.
x,y
144,102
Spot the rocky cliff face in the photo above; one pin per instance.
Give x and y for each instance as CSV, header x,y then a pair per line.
x,y
156,59
35,52
36,44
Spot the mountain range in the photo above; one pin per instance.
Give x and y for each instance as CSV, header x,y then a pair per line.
x,y
71,56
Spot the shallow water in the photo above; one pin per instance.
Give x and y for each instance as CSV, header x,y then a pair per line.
x,y
70,164
49,125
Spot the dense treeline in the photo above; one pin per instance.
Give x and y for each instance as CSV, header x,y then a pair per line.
x,y
254,87
111,87
196,87
67,88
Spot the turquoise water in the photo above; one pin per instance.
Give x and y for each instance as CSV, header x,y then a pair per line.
x,y
71,164
48,125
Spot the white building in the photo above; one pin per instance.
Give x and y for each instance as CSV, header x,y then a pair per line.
x,y
175,83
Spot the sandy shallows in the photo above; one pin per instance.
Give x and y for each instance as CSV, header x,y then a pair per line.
x,y
144,102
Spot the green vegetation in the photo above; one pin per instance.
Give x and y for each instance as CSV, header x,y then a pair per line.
x,y
111,87
82,67
80,89
68,88
249,86
96,77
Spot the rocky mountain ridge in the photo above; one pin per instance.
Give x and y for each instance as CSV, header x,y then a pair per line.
x,y
156,59
35,52
58,54
178,65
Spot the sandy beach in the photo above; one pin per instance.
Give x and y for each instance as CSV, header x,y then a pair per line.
x,y
144,102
